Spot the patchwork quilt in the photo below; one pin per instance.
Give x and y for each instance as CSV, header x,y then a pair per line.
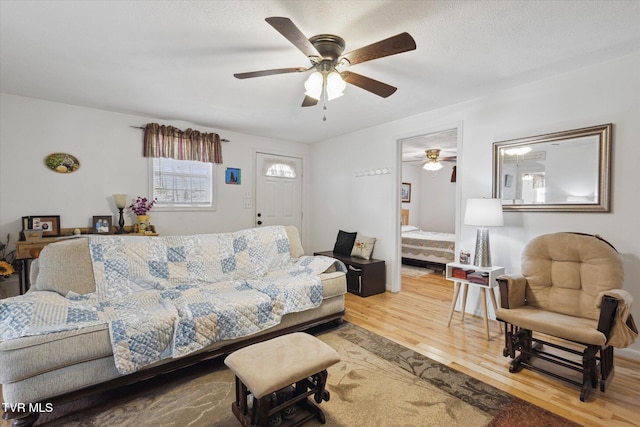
x,y
170,296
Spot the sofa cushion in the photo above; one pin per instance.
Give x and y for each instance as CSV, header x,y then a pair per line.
x,y
65,266
578,329
294,241
363,246
344,242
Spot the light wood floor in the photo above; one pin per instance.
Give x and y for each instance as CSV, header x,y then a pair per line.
x,y
417,317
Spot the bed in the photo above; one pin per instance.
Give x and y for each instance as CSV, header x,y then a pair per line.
x,y
426,248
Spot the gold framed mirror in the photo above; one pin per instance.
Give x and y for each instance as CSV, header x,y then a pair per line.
x,y
566,171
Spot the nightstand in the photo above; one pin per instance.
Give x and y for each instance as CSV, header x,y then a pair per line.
x,y
460,274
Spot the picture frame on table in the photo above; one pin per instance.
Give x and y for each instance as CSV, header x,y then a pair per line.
x,y
102,224
49,224
406,192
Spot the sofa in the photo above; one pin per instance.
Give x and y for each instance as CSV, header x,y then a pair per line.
x,y
108,311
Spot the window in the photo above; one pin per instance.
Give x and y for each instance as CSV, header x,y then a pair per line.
x,y
279,168
185,184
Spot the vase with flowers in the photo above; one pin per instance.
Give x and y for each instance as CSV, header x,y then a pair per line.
x,y
141,207
7,259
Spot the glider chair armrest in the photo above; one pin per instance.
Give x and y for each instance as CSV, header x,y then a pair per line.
x,y
615,321
512,290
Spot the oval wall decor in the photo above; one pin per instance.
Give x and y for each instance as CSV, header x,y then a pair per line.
x,y
62,162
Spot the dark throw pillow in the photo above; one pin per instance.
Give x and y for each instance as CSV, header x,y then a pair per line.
x,y
344,243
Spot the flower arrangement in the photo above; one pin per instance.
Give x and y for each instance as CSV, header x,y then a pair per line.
x,y
142,205
6,260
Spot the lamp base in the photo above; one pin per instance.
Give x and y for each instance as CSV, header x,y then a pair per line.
x,y
121,230
482,256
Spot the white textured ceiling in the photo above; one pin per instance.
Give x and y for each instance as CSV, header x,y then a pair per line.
x,y
175,60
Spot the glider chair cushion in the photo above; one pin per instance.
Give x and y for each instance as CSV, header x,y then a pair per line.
x,y
569,288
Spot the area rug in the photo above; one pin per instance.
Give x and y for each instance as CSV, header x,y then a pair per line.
x,y
377,383
411,271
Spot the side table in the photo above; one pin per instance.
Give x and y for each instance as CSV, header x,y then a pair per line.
x,y
493,273
365,277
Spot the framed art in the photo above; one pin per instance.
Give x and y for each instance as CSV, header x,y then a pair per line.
x,y
406,192
49,224
62,162
102,224
232,176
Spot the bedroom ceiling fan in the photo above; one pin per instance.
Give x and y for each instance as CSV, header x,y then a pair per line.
x,y
433,159
325,53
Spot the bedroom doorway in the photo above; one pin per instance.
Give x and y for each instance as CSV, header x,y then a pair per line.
x,y
428,204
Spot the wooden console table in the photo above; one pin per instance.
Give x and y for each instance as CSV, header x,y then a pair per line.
x,y
26,251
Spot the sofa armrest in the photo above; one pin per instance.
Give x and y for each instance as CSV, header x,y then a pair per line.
x,y
512,291
615,321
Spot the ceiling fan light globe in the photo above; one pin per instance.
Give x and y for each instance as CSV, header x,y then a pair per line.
x,y
313,85
517,151
335,82
432,166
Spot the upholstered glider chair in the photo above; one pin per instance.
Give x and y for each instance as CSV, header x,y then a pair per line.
x,y
569,288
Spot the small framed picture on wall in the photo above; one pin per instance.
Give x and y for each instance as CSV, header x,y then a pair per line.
x,y
406,192
232,176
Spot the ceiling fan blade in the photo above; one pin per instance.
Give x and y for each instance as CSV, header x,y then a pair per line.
x,y
269,72
288,29
374,86
393,45
309,101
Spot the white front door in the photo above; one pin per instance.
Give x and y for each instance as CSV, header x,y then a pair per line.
x,y
278,190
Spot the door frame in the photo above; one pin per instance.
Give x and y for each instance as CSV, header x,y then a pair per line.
x,y
396,284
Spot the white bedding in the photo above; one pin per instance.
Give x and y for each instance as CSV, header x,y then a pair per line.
x,y
427,245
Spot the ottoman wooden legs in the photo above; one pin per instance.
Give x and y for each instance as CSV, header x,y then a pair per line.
x,y
268,406
274,375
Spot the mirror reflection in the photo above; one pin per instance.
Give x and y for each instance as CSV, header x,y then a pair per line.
x,y
564,171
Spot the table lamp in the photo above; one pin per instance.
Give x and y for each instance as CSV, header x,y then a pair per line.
x,y
483,213
121,202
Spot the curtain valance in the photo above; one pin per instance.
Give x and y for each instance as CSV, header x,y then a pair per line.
x,y
171,142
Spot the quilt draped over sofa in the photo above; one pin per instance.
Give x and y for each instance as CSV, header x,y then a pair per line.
x,y
173,295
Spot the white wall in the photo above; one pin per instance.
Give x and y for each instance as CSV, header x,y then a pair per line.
x,y
110,155
606,93
438,200
433,201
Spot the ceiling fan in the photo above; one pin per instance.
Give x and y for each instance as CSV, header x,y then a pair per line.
x,y
325,53
432,160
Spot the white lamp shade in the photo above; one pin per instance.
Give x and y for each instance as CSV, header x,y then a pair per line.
x,y
121,200
484,212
